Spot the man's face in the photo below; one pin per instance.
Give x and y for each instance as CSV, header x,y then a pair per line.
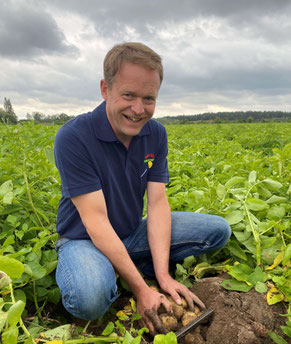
x,y
131,101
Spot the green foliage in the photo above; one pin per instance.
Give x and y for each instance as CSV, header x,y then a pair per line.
x,y
169,338
242,173
29,194
238,171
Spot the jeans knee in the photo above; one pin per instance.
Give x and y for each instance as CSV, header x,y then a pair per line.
x,y
90,303
94,306
223,231
86,279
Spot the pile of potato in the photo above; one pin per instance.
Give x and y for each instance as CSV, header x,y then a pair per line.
x,y
182,317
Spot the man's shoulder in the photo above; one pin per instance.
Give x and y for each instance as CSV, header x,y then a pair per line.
x,y
77,123
75,132
81,125
156,127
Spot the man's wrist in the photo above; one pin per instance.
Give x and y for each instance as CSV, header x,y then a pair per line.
x,y
163,277
139,290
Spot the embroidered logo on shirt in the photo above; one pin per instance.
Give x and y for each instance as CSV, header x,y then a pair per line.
x,y
149,159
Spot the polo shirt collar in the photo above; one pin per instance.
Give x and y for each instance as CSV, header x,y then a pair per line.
x,y
102,127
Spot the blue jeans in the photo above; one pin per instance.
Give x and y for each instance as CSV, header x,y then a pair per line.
x,y
87,279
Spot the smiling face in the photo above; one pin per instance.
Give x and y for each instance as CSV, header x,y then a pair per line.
x,y
131,101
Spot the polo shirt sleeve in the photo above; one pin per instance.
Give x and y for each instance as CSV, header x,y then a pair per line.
x,y
73,161
159,171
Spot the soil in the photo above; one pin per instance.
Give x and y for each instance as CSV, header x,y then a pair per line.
x,y
239,318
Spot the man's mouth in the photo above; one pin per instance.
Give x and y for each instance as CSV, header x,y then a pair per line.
x,y
133,119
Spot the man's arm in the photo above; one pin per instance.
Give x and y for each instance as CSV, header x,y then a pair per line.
x,y
93,212
159,236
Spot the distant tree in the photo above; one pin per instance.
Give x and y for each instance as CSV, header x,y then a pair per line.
x,y
63,117
8,106
38,117
7,118
7,115
217,119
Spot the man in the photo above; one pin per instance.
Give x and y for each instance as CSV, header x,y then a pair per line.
x,y
107,159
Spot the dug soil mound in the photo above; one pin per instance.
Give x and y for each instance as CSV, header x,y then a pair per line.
x,y
239,318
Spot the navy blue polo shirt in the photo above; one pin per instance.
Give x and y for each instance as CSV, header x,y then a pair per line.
x,y
89,157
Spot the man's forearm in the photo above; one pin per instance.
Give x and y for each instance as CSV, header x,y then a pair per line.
x,y
112,247
159,236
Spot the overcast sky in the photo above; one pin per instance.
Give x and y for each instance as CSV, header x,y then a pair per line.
x,y
218,55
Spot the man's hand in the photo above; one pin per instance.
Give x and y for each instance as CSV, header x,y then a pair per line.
x,y
148,304
175,289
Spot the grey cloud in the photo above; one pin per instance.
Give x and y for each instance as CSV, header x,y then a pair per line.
x,y
111,18
179,84
223,52
39,81
27,30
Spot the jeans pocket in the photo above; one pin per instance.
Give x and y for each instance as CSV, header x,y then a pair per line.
x,y
60,243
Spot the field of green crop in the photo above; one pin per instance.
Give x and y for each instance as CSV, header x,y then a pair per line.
x,y
238,171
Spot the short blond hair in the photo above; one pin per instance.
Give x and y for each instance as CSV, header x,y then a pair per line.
x,y
132,52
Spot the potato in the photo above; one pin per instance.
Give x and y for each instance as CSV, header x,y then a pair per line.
x,y
193,338
184,302
197,329
196,310
177,309
169,322
155,288
189,338
188,317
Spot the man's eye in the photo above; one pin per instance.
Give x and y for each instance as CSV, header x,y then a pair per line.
x,y
127,95
149,99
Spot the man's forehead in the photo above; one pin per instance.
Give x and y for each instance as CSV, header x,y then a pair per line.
x,y
126,66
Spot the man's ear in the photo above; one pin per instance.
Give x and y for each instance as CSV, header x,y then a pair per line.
x,y
104,89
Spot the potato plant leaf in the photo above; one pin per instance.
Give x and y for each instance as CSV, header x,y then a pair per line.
x,y
3,318
287,254
287,330
276,338
256,276
234,217
236,285
220,191
277,261
261,287
10,335
12,267
169,338
234,181
241,272
276,199
272,184
108,329
14,312
252,176
189,261
236,250
256,204
274,296
61,332
276,213
6,187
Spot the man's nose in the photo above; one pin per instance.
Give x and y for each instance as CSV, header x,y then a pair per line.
x,y
137,107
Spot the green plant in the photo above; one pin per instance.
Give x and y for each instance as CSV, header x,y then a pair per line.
x,y
238,171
